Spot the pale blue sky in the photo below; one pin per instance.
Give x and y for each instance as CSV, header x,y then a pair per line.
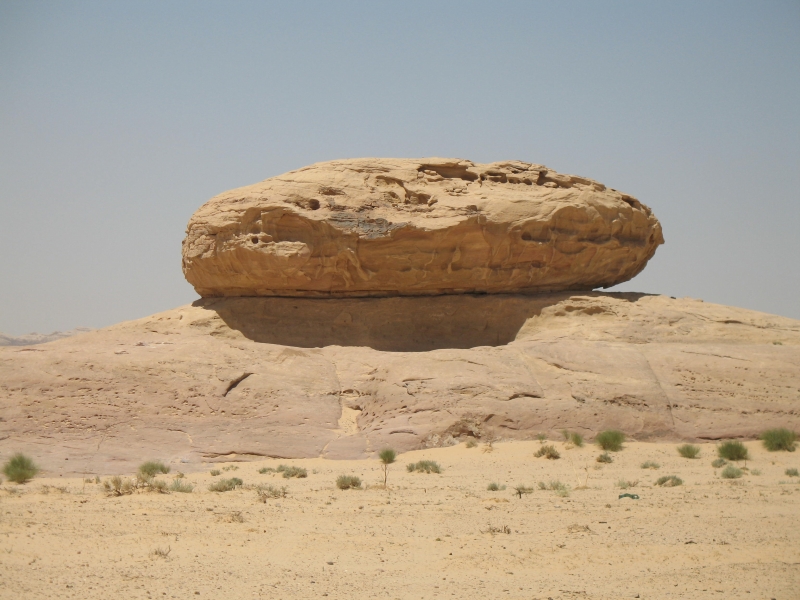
x,y
119,119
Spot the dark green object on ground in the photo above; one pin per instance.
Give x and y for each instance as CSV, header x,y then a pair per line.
x,y
631,496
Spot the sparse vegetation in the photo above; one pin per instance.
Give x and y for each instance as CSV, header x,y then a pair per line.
x,y
605,457
541,437
625,484
719,462
610,439
230,468
289,472
779,439
548,451
20,469
502,529
161,553
556,486
576,439
495,487
387,456
669,481
731,472
471,443
264,470
689,451
215,472
424,466
117,486
151,468
791,473
649,464
226,485
732,450
268,492
183,487
348,482
523,489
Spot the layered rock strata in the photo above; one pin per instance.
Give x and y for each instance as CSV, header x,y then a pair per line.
x,y
383,227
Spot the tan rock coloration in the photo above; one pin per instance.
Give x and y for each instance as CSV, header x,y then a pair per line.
x,y
241,378
374,227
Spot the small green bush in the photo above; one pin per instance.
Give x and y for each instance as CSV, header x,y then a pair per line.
x,y
779,439
689,451
731,472
117,486
669,481
576,439
625,484
152,468
20,468
549,451
791,473
610,440
387,456
605,457
289,472
348,482
649,464
178,485
495,487
719,462
541,437
215,472
732,450
225,485
424,466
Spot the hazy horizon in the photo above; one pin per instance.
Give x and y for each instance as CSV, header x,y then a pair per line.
x,y
119,120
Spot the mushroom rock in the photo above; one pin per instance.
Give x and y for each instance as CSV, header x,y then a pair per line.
x,y
389,227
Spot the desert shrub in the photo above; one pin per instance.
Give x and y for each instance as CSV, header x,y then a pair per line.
x,y
157,485
20,468
625,484
605,457
178,485
424,466
689,451
548,451
779,439
610,439
731,472
649,464
669,481
555,486
267,492
732,450
791,473
289,472
151,468
541,437
230,468
215,472
495,487
348,482
471,443
117,486
576,439
755,472
161,553
523,489
225,485
264,470
719,462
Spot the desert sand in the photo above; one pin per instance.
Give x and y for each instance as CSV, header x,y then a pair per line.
x,y
425,536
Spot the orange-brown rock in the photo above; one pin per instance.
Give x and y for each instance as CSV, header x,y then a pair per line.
x,y
384,227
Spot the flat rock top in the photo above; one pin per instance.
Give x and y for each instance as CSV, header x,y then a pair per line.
x,y
417,227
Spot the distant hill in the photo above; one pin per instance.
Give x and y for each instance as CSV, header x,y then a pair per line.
x,y
31,339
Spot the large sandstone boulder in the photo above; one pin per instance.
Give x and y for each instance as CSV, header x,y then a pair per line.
x,y
383,227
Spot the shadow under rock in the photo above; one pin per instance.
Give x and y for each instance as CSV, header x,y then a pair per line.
x,y
396,324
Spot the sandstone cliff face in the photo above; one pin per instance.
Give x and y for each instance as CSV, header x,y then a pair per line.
x,y
382,227
236,378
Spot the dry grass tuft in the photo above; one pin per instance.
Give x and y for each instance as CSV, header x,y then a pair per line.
x,y
549,451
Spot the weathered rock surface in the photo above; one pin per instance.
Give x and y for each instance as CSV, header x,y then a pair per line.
x,y
234,378
383,227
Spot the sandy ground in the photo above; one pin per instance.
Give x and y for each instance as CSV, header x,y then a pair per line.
x,y
426,536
